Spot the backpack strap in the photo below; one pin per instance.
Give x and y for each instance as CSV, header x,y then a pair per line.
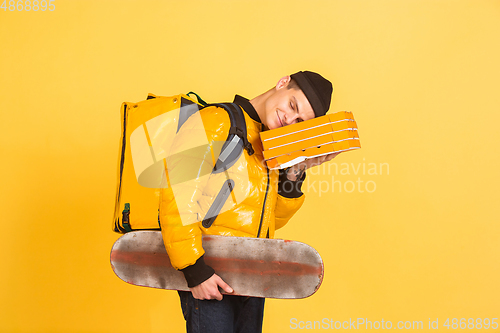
x,y
231,150
218,203
239,127
236,140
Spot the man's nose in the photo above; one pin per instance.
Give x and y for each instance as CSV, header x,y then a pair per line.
x,y
291,118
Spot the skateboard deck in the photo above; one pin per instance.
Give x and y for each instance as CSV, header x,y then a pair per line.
x,y
273,268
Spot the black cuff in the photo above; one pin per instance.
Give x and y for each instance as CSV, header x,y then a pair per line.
x,y
197,273
290,188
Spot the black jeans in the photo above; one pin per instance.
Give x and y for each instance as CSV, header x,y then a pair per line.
x,y
233,314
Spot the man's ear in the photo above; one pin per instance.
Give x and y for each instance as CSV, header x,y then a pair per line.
x,y
283,82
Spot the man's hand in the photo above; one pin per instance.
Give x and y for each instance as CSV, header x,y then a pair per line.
x,y
209,289
296,171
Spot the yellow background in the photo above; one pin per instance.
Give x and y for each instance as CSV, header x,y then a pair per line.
x,y
421,78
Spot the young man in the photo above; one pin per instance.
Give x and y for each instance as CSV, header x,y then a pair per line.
x,y
271,197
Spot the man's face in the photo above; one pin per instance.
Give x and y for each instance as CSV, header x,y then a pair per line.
x,y
286,106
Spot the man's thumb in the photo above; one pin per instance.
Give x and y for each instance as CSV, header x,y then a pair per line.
x,y
225,286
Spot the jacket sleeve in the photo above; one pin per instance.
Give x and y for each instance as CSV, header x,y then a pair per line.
x,y
290,198
189,163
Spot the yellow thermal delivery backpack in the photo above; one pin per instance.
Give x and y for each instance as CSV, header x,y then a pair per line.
x,y
148,129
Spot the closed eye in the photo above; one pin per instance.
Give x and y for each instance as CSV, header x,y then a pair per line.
x,y
293,103
298,120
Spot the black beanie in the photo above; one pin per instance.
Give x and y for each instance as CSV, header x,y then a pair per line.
x,y
317,89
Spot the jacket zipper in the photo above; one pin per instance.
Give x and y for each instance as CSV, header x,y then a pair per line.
x,y
264,205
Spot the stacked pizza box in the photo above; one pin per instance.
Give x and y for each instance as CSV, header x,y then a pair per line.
x,y
292,144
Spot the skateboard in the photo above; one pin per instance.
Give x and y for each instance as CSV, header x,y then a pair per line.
x,y
258,267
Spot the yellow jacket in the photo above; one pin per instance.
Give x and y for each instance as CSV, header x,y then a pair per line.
x,y
259,214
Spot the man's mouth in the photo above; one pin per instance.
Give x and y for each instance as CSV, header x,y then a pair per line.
x,y
277,115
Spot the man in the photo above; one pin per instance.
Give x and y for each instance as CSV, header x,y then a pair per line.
x,y
271,198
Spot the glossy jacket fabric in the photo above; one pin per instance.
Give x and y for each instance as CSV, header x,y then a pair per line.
x,y
260,213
